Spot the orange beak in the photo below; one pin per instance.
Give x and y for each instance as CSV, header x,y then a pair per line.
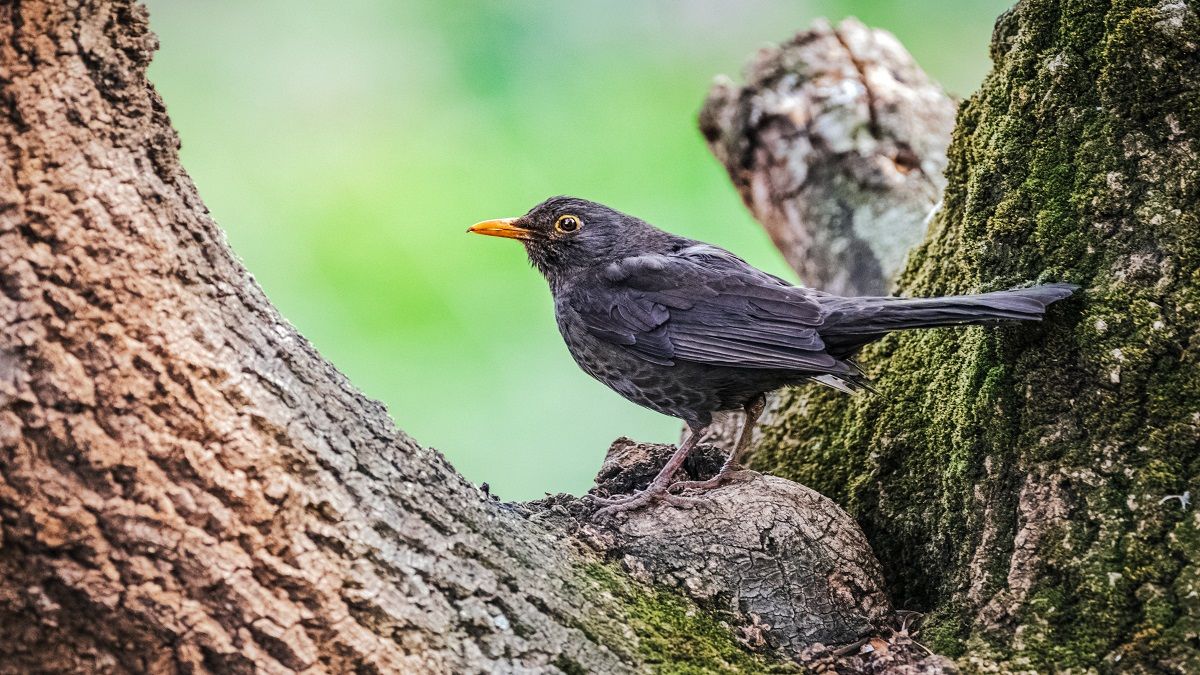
x,y
501,228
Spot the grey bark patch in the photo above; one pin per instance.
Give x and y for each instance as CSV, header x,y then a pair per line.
x,y
837,143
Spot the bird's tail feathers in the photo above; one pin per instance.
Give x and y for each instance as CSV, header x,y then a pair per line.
x,y
853,322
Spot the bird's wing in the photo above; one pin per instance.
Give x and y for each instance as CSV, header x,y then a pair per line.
x,y
704,305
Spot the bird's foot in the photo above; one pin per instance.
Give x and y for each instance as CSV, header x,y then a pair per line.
x,y
723,476
630,503
614,505
680,501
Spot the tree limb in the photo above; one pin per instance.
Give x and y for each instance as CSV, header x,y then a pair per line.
x,y
837,143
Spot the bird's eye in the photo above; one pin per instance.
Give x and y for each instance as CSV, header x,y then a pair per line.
x,y
567,223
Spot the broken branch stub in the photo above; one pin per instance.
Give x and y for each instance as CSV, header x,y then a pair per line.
x,y
837,143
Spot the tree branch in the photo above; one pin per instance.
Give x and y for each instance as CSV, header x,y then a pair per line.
x,y
1011,480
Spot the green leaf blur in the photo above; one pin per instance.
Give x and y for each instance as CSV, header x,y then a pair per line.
x,y
345,147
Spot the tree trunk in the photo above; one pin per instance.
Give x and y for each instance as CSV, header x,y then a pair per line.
x,y
185,485
1029,486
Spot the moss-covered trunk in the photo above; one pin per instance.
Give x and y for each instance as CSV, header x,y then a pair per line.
x,y
1016,482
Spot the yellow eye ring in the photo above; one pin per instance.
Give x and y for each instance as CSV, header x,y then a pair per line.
x,y
568,223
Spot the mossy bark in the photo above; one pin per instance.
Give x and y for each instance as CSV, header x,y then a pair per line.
x,y
1015,482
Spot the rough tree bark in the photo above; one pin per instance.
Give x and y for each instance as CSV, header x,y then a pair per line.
x,y
837,144
1029,486
185,485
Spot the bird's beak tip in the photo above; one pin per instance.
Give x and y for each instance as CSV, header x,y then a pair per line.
x,y
502,227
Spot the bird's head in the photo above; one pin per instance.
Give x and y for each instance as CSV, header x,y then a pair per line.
x,y
567,235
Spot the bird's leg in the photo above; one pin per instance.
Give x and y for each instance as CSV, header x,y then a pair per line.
x,y
754,410
657,488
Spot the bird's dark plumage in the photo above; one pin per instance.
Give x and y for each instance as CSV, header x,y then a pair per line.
x,y
688,329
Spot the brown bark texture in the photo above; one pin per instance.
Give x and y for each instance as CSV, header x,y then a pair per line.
x,y
186,486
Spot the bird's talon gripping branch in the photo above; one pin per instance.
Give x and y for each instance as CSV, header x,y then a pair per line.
x,y
724,476
635,502
699,485
645,498
689,329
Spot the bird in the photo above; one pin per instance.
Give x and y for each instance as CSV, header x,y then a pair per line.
x,y
689,329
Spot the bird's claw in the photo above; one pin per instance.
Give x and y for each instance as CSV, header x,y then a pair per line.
x,y
614,505
669,494
695,485
722,477
631,503
681,502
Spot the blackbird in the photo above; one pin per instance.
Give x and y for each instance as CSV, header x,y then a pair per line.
x,y
688,329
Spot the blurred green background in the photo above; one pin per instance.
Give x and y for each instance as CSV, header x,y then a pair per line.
x,y
345,147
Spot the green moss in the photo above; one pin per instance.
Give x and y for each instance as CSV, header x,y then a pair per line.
x,y
1077,160
674,636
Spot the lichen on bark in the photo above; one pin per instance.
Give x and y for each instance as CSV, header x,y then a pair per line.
x,y
1012,480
